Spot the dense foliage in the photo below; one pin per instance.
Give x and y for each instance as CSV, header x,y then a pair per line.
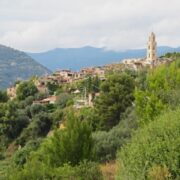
x,y
26,89
155,145
153,152
115,96
134,113
3,96
162,90
106,143
69,145
36,170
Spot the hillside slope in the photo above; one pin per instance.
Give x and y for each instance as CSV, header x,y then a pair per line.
x,y
16,65
77,58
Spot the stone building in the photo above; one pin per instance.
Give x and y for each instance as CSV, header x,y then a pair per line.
x,y
152,49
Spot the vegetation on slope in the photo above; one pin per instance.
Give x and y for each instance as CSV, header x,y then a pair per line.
x,y
153,151
57,141
16,65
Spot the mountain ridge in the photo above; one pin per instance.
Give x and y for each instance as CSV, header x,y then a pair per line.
x,y
77,58
15,64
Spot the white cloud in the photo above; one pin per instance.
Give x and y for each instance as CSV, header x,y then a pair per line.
x,y
38,25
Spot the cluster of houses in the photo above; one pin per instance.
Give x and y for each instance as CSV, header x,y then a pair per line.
x,y
63,77
67,76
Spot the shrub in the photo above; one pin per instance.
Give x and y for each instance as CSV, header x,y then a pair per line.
x,y
21,155
63,99
116,95
70,145
37,170
25,89
32,170
161,91
159,173
3,96
36,108
85,170
106,144
38,127
156,144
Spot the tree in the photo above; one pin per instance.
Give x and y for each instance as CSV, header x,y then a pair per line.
x,y
63,99
39,126
3,96
161,91
92,84
52,87
70,145
106,143
36,109
153,150
26,89
115,96
12,121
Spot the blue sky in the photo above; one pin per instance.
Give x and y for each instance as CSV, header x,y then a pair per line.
x,y
40,25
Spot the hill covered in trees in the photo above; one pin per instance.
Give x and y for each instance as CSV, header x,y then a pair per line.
x,y
135,121
16,65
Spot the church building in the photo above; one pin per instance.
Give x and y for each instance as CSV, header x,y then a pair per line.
x,y
151,60
152,49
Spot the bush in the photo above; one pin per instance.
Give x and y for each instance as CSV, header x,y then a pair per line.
x,y
37,170
12,120
36,109
116,95
155,145
85,170
161,91
22,155
38,127
106,144
159,173
25,89
70,145
3,96
32,170
63,99
57,116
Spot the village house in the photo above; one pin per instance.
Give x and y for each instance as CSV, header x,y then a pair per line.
x,y
11,92
94,71
41,85
86,101
48,100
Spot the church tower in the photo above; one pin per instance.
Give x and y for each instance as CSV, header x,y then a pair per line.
x,y
152,49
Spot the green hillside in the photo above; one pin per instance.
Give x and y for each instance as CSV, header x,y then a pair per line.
x,y
131,132
15,65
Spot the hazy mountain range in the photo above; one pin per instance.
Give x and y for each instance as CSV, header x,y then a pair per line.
x,y
16,65
77,58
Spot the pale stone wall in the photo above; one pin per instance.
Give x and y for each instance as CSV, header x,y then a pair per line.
x,y
152,48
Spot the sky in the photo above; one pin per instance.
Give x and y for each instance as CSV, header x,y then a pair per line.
x,y
41,25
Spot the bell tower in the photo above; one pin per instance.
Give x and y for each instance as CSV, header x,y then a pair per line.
x,y
152,49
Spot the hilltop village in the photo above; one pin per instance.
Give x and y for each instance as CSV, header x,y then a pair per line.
x,y
63,77
98,123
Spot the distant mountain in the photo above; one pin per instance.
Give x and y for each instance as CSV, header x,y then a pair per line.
x,y
77,58
16,65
